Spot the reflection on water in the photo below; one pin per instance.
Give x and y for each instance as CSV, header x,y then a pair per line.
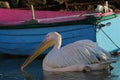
x,y
75,76
98,75
9,70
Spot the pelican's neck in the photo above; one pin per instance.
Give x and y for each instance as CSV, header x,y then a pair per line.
x,y
56,46
58,42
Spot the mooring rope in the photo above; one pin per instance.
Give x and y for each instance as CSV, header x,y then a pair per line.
x,y
110,38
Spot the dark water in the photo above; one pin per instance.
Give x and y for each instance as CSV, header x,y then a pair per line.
x,y
9,70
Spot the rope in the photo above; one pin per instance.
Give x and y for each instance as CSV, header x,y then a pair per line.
x,y
110,38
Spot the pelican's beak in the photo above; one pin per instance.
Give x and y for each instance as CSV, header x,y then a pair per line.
x,y
44,45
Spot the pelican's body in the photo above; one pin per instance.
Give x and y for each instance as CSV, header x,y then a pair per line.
x,y
78,56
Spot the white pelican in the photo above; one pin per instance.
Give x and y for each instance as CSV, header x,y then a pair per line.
x,y
78,56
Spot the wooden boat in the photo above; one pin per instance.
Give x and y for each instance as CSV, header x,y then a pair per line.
x,y
20,34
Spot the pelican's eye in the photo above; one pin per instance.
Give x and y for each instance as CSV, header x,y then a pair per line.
x,y
47,35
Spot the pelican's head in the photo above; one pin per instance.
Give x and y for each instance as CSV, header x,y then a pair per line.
x,y
53,36
51,39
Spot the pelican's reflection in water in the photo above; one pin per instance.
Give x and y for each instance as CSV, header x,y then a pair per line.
x,y
76,75
26,75
94,75
35,76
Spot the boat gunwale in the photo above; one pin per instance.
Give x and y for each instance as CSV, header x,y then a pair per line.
x,y
89,20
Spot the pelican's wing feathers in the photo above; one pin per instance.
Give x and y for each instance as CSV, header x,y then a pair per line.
x,y
85,51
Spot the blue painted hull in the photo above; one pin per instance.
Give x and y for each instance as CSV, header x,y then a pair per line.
x,y
25,41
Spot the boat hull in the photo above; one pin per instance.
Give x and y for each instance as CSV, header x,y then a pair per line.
x,y
25,41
